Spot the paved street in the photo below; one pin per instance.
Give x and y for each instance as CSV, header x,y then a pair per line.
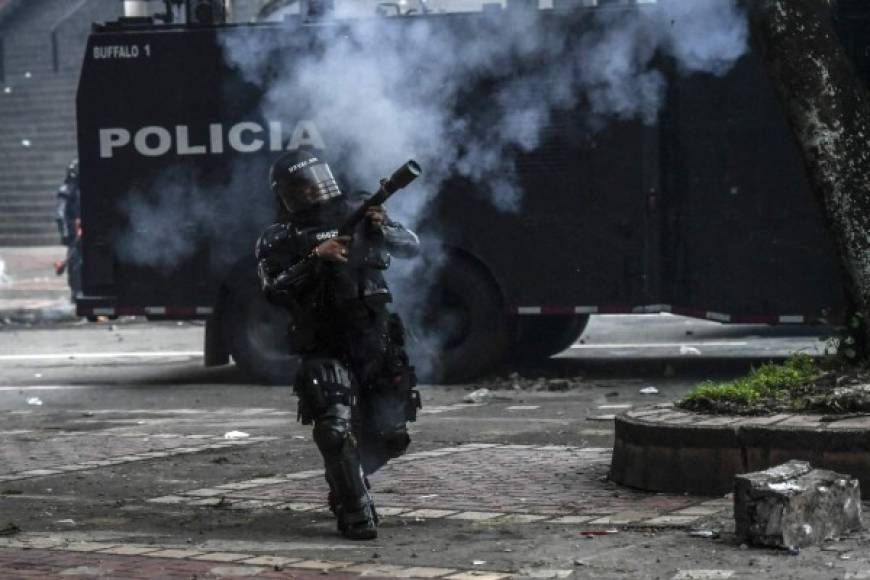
x,y
116,463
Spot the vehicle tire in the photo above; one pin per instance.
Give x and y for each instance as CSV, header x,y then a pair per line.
x,y
540,337
465,330
257,335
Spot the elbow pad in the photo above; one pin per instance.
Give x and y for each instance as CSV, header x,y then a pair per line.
x,y
402,243
294,277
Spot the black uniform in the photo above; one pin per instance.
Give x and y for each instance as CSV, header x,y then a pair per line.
x,y
355,384
68,212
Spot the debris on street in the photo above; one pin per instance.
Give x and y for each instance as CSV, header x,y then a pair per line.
x,y
689,351
649,391
607,532
34,401
236,435
703,533
793,505
515,381
478,396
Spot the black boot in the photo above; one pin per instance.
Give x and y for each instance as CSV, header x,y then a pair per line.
x,y
359,523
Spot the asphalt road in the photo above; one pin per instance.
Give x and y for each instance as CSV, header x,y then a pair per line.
x,y
114,446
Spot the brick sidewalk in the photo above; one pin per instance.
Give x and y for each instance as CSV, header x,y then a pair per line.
x,y
53,557
155,563
498,484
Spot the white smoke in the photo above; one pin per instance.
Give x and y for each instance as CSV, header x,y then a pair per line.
x,y
464,98
178,215
385,90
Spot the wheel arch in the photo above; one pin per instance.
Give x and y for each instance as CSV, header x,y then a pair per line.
x,y
470,257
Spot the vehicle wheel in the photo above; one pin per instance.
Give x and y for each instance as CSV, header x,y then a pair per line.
x,y
257,335
540,337
465,331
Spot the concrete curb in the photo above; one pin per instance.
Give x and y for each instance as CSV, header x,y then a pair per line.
x,y
669,450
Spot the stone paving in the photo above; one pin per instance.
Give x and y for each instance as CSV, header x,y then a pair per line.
x,y
176,445
102,438
34,556
479,482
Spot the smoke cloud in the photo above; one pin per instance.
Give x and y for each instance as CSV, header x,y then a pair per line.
x,y
385,90
179,211
464,98
462,95
382,92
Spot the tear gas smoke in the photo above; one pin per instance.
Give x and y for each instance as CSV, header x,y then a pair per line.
x,y
380,92
169,222
384,90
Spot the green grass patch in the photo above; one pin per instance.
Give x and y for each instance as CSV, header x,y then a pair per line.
x,y
769,388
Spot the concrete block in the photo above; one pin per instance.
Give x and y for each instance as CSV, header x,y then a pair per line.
x,y
794,505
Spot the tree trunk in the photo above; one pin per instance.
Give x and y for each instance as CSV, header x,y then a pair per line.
x,y
829,112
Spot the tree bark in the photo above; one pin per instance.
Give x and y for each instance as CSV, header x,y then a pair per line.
x,y
829,112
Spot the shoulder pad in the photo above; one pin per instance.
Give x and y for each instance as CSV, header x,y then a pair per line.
x,y
274,236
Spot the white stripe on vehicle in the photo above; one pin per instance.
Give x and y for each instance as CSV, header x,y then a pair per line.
x,y
793,319
652,309
658,345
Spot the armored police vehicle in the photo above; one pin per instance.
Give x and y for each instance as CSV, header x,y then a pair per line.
x,y
704,212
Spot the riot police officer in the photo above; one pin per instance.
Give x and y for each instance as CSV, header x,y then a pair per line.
x,y
355,383
68,213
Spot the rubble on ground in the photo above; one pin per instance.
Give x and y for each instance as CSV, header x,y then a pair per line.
x,y
516,382
793,505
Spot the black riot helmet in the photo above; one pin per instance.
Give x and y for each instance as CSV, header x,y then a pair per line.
x,y
302,181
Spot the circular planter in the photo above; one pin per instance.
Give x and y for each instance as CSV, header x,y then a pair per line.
x,y
666,449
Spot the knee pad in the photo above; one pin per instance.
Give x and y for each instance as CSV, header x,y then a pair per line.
x,y
331,434
322,383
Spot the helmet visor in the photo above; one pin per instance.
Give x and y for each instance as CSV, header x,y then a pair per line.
x,y
310,186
